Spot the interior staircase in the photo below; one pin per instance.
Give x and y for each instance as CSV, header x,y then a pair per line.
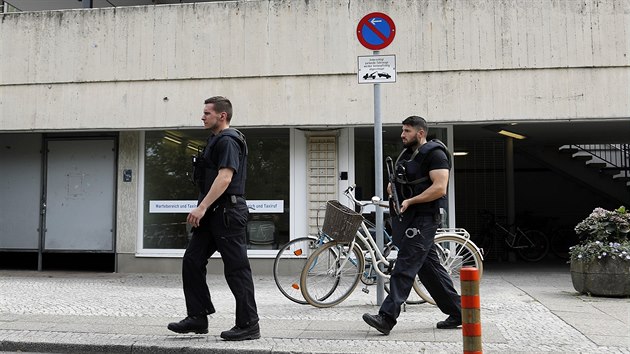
x,y
608,159
604,168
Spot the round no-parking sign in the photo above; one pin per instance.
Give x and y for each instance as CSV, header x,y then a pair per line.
x,y
376,31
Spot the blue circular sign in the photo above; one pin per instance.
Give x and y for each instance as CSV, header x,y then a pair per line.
x,y
376,31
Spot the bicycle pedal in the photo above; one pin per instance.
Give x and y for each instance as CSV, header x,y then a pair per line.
x,y
366,290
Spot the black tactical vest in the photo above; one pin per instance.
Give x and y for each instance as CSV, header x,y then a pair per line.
x,y
206,169
412,174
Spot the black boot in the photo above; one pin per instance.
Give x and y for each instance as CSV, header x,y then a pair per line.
x,y
196,324
382,323
450,322
245,333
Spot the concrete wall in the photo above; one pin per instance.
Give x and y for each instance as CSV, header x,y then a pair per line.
x,y
127,206
293,62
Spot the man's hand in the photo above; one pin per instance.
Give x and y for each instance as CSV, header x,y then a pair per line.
x,y
195,215
404,205
437,189
219,185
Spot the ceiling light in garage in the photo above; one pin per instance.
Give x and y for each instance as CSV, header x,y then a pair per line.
x,y
511,134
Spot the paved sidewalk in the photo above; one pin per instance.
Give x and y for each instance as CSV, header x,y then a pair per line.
x,y
523,310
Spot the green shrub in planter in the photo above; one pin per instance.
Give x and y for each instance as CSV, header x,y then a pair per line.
x,y
600,262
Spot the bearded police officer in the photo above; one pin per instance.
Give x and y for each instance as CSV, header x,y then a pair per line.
x,y
422,171
219,224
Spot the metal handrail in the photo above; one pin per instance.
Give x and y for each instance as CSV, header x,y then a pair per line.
x,y
615,155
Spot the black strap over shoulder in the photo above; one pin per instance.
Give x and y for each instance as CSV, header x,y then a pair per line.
x,y
423,151
232,133
201,166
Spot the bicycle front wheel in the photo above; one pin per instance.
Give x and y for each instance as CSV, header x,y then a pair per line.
x,y
532,245
288,266
331,273
454,252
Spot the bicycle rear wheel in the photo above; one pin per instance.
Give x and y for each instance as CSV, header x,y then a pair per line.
x,y
454,252
532,246
331,273
418,295
288,265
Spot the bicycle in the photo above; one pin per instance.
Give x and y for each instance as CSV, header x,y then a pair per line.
x,y
292,256
289,263
369,275
332,272
455,250
530,245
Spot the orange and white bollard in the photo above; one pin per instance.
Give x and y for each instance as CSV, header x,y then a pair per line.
x,y
471,308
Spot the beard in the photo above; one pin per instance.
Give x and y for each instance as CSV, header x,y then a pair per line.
x,y
411,143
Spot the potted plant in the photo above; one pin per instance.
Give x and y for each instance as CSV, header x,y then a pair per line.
x,y
600,262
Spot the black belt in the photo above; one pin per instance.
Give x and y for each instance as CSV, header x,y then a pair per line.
x,y
229,199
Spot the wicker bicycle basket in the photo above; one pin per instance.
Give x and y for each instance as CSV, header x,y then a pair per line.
x,y
340,222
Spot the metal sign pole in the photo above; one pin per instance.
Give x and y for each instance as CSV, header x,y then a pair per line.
x,y
376,31
378,181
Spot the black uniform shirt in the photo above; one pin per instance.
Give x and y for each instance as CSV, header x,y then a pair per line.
x,y
225,153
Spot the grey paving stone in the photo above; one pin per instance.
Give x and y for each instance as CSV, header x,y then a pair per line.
x,y
84,312
612,340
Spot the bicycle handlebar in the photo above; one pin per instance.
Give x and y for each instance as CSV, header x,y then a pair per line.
x,y
374,201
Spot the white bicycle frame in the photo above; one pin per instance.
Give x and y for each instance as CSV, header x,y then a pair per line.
x,y
363,234
376,256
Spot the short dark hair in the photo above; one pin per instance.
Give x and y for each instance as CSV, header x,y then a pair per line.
x,y
417,122
221,104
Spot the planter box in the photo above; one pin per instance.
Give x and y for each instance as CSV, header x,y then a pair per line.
x,y
604,277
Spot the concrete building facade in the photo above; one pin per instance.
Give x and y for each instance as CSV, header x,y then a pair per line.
x,y
103,92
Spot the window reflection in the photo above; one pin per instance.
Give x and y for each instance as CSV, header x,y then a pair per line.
x,y
168,184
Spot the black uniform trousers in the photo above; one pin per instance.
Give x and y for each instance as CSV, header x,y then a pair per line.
x,y
222,229
417,255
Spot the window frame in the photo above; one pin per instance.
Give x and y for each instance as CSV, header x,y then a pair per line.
x,y
141,251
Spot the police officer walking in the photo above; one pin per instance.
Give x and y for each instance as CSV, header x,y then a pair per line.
x,y
219,224
422,172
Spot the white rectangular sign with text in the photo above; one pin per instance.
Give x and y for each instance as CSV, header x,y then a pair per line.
x,y
185,206
377,69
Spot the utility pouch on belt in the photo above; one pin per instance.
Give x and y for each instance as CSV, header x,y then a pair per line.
x,y
228,203
226,219
198,170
